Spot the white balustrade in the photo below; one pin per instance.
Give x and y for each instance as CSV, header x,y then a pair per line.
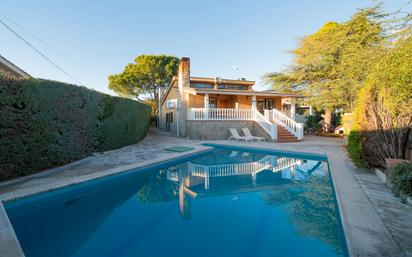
x,y
221,170
283,163
234,114
267,121
291,125
233,169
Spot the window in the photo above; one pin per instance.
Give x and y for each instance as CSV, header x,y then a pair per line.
x,y
269,104
265,104
171,103
261,105
199,85
236,87
169,119
212,102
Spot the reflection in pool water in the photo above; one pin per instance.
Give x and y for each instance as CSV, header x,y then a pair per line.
x,y
226,203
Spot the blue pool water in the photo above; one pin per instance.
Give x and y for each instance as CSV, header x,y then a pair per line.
x,y
227,202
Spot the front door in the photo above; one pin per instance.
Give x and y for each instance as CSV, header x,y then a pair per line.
x,y
261,105
268,104
212,102
169,120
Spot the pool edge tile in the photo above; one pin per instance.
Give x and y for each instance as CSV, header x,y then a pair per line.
x,y
9,244
27,192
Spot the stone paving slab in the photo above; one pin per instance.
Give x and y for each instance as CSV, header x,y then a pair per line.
x,y
149,151
375,222
396,216
150,148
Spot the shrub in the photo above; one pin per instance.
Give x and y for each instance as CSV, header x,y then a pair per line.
x,y
329,134
313,122
355,149
400,176
46,123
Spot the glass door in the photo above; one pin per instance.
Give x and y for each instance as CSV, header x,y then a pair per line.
x,y
268,104
261,105
212,102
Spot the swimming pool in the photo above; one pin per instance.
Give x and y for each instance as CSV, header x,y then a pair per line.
x,y
226,202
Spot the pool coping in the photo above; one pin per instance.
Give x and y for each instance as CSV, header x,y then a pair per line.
x,y
9,244
364,232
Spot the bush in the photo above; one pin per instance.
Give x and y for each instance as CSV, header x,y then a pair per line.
x,y
313,123
47,123
355,149
329,134
400,177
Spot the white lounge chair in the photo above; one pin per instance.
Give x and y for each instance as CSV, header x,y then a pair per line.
x,y
235,135
233,154
247,134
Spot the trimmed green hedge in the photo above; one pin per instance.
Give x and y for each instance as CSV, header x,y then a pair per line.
x,y
47,123
400,177
355,149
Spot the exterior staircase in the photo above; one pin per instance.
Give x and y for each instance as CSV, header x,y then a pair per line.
x,y
285,136
278,126
288,130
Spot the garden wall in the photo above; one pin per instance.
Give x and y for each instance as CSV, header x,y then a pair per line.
x,y
47,123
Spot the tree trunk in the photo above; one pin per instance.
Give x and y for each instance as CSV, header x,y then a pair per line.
x,y
327,121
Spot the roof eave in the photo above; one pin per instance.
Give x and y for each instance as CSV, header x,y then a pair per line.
x,y
243,92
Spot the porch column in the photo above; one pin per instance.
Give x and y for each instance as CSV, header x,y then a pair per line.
x,y
206,101
206,110
183,82
310,110
159,109
292,109
253,102
207,181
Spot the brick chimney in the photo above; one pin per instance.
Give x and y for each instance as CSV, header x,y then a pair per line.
x,y
159,108
183,82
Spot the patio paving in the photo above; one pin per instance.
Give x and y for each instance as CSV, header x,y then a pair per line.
x,y
152,147
396,216
375,222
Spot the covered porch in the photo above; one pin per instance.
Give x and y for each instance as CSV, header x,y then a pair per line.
x,y
264,108
259,101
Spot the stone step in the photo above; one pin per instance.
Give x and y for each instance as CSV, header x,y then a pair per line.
x,y
287,138
284,136
287,141
284,133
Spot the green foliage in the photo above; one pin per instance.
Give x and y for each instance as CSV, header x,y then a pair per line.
x,y
400,177
391,79
383,110
313,122
157,190
330,65
328,134
310,209
355,148
145,76
363,65
47,123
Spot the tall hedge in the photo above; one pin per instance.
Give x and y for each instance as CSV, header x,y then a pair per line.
x,y
47,123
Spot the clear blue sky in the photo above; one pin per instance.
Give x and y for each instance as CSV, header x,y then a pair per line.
x,y
103,36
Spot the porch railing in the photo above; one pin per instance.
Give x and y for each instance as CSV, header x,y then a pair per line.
x,y
285,121
234,114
